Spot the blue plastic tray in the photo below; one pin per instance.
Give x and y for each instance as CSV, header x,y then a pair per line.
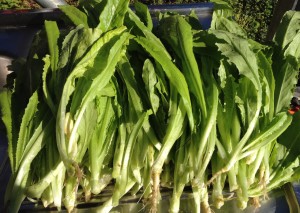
x,y
17,27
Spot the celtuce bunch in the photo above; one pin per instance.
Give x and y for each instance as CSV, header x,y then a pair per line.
x,y
117,102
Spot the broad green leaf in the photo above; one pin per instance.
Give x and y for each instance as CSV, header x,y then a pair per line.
x,y
176,78
70,53
74,47
286,79
88,122
142,11
92,9
150,81
90,55
178,33
162,86
228,25
138,28
248,105
227,109
268,83
52,37
127,74
286,31
223,19
37,189
221,9
286,59
238,51
207,130
75,15
47,94
293,49
290,138
112,15
134,96
222,5
23,84
26,129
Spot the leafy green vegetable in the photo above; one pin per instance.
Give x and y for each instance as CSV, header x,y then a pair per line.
x,y
116,101
142,11
290,138
75,15
176,31
286,59
173,73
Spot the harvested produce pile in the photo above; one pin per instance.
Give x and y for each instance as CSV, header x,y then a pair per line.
x,y
116,100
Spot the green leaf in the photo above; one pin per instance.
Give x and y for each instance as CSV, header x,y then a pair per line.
x,y
52,36
222,23
286,59
226,110
178,33
127,74
287,30
134,96
150,80
74,47
89,56
47,94
26,129
221,9
84,61
238,51
268,83
290,138
112,15
75,15
142,11
176,78
88,122
286,79
138,28
293,50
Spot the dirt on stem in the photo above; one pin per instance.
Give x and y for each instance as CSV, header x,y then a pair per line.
x,y
155,191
